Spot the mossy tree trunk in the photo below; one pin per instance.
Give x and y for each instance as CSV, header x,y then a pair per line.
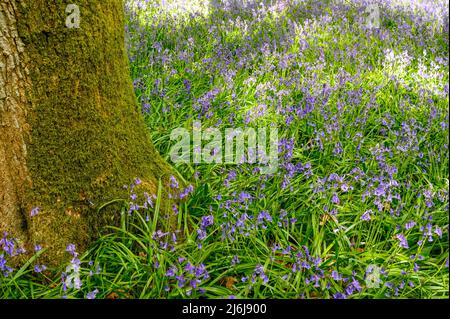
x,y
71,134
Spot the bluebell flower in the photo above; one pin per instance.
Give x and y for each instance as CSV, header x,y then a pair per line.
x,y
335,199
34,211
92,294
403,242
339,295
366,216
235,260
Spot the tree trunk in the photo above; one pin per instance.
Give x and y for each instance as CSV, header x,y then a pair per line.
x,y
71,134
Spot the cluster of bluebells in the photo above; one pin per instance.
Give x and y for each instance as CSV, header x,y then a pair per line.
x,y
178,192
10,246
4,268
185,276
398,284
366,152
205,222
8,249
285,219
237,218
258,274
299,260
165,240
289,167
148,201
71,277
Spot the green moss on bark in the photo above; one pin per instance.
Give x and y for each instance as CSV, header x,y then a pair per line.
x,y
87,135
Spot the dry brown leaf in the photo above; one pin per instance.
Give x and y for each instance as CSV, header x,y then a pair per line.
x,y
112,295
142,254
228,282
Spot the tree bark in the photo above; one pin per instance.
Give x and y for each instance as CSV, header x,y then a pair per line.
x,y
71,134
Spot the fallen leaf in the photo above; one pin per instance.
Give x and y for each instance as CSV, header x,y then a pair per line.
x,y
229,282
